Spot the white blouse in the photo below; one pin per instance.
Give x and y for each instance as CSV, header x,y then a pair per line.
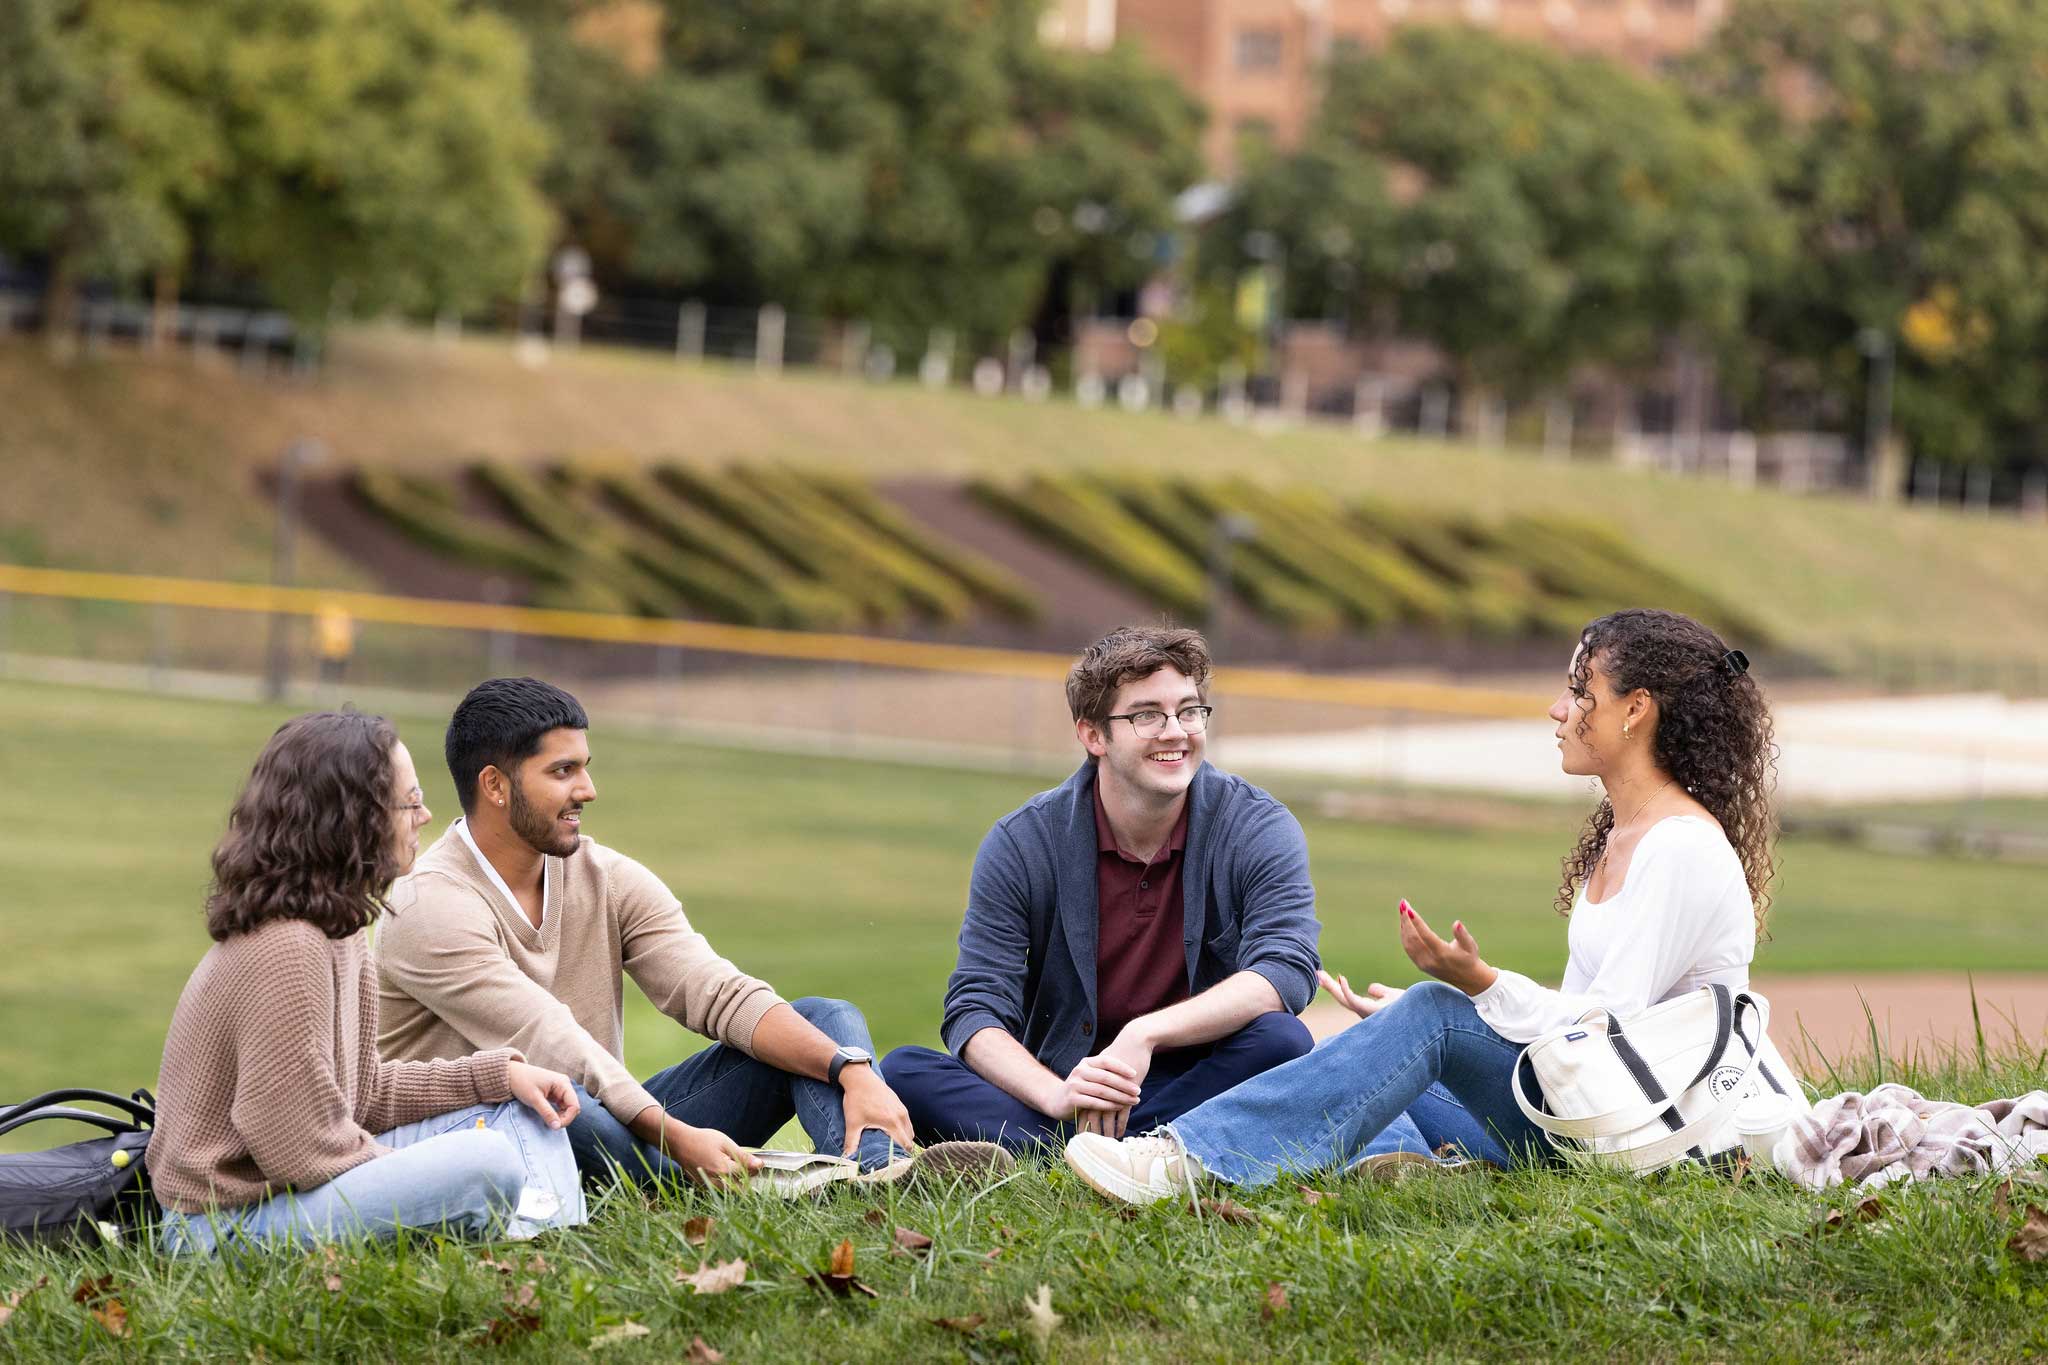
x,y
1681,920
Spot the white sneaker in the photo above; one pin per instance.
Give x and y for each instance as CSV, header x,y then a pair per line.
x,y
1139,1170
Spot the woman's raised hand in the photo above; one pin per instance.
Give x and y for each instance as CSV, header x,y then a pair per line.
x,y
1375,998
1455,960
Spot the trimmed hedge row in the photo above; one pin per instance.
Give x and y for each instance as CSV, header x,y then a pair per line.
x,y
990,583
1311,562
589,550
1093,526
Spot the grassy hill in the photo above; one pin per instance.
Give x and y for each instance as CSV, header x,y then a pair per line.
x,y
139,463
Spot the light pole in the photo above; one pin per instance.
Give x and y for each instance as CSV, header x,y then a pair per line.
x,y
1876,343
299,455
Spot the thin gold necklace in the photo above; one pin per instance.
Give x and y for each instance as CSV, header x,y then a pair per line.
x,y
1646,802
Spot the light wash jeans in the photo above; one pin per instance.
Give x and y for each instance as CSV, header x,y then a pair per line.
x,y
747,1100
1428,1056
485,1171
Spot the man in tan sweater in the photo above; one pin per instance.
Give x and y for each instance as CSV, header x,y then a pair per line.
x,y
513,931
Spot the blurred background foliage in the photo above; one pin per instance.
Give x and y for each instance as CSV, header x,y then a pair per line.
x,y
1822,178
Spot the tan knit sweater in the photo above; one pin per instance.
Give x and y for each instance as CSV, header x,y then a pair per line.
x,y
460,968
271,1079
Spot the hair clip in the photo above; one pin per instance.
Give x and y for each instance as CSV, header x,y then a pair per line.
x,y
1734,663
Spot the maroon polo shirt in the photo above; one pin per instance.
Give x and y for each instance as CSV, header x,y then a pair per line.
x,y
1140,964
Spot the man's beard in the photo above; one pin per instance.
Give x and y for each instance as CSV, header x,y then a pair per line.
x,y
538,830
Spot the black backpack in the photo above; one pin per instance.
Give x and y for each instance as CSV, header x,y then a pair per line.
x,y
71,1194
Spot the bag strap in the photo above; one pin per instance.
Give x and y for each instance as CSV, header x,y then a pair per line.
x,y
1729,1008
140,1108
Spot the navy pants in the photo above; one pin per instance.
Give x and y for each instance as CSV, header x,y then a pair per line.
x,y
948,1102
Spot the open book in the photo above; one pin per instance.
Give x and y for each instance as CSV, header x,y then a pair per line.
x,y
793,1173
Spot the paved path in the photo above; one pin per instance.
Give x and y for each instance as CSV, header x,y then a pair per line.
x,y
1879,749
1927,1011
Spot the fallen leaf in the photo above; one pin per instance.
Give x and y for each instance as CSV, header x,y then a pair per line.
x,y
1312,1197
612,1336
522,1297
334,1284
715,1279
502,1267
1229,1212
842,1258
697,1231
992,1256
841,1286
1127,1213
1006,1232
911,1242
2030,1243
499,1331
1870,1210
1043,1319
1275,1302
2001,1198
538,1265
966,1326
874,1218
14,1299
702,1352
102,1299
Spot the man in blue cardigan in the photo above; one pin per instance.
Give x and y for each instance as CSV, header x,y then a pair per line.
x,y
1137,940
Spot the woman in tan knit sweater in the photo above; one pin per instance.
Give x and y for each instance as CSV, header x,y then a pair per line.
x,y
278,1123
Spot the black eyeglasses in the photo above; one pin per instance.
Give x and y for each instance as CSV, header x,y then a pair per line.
x,y
1151,724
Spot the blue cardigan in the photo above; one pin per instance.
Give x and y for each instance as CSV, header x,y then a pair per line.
x,y
1027,947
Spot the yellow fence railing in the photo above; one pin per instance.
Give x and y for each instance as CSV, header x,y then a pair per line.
x,y
754,641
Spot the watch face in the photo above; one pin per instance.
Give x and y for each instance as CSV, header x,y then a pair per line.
x,y
855,1054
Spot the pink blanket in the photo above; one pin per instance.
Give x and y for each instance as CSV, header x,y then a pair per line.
x,y
1894,1134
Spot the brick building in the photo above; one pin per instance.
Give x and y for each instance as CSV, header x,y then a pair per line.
x,y
1255,63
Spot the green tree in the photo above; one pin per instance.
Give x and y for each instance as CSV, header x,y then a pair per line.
x,y
1908,142
1528,211
911,162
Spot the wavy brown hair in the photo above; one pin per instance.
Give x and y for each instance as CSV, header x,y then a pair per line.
x,y
1713,737
310,837
1127,654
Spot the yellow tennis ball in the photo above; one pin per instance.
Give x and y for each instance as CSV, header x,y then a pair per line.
x,y
120,1160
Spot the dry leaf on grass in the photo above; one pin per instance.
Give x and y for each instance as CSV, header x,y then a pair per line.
x,y
874,1218
1313,1196
702,1352
1226,1211
1274,1303
13,1300
334,1284
538,1265
2030,1243
697,1231
102,1299
1043,1319
612,1336
502,1267
966,1326
1869,1211
714,1279
839,1279
911,1242
1128,1214
499,1331
522,1297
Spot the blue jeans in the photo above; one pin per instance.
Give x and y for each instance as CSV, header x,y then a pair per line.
x,y
947,1101
747,1100
1428,1055
465,1172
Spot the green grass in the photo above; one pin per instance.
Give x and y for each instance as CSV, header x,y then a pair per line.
x,y
839,877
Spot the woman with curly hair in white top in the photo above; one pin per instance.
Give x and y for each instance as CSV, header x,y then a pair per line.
x,y
1667,891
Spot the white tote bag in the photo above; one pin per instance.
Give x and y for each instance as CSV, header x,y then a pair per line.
x,y
1659,1087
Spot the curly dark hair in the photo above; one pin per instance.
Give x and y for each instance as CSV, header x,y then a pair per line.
x,y
1127,654
1713,737
310,837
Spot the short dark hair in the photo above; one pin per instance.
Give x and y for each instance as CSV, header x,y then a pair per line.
x,y
1126,654
310,836
500,724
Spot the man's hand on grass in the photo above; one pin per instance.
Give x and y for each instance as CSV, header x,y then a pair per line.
x,y
1099,1087
868,1102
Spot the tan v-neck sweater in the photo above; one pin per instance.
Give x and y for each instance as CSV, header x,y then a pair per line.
x,y
460,968
271,1078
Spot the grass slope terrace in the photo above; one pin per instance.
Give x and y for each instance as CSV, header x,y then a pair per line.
x,y
156,464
